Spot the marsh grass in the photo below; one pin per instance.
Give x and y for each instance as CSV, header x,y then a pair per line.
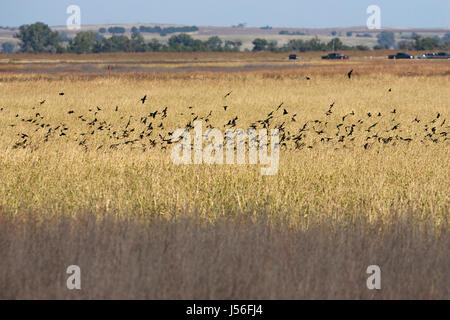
x,y
308,232
238,258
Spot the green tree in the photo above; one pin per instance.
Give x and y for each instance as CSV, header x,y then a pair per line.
x,y
214,44
38,38
259,44
119,30
184,42
386,39
155,45
272,46
406,45
137,42
335,44
232,45
446,38
8,47
84,42
426,43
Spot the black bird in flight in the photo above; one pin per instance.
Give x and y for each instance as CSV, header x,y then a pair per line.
x,y
61,93
117,108
308,78
144,99
285,112
349,74
225,108
42,102
228,94
390,90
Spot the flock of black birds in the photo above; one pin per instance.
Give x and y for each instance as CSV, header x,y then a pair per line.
x,y
149,130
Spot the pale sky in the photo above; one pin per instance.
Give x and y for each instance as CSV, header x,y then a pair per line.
x,y
279,13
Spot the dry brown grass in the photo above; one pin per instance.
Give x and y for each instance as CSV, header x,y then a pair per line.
x,y
240,258
399,175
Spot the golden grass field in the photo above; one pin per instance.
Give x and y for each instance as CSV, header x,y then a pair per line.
x,y
378,166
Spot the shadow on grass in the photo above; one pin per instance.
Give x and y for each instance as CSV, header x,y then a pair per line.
x,y
234,258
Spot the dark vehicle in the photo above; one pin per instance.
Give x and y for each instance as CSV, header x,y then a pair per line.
x,y
430,55
292,57
401,55
442,55
334,56
433,55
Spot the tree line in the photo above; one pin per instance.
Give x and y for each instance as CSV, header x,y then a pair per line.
x,y
39,38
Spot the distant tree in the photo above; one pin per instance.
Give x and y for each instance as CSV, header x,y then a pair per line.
x,y
313,44
98,36
64,36
427,43
316,45
362,48
364,35
137,42
168,30
84,42
446,38
114,30
386,39
335,44
154,45
102,30
406,45
259,44
38,38
184,42
214,44
134,29
120,44
8,47
272,46
333,33
232,45
349,33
